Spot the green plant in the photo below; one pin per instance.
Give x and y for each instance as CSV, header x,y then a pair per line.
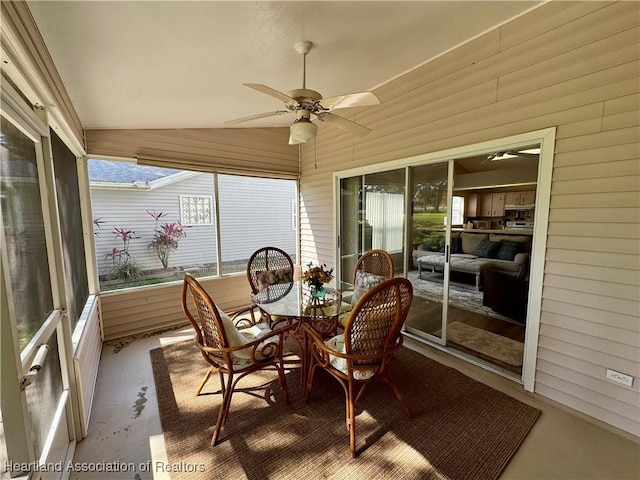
x,y
127,270
165,239
124,266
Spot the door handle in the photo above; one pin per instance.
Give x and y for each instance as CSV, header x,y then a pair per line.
x,y
35,367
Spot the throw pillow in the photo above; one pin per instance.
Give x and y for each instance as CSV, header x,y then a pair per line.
x,y
487,249
509,249
456,244
273,277
471,240
364,282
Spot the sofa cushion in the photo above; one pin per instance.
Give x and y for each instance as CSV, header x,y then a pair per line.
x,y
487,249
509,249
471,240
496,237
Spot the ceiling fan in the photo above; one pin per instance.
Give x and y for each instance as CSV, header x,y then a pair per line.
x,y
507,154
309,104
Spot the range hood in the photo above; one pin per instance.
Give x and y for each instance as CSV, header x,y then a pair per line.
x,y
519,207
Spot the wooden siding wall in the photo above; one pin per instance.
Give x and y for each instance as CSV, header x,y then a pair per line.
x,y
128,312
572,65
250,150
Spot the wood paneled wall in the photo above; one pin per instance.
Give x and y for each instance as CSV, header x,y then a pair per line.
x,y
570,65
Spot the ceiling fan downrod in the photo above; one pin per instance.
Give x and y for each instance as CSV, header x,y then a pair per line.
x,y
303,48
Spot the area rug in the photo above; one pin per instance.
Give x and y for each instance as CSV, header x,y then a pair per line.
x,y
460,297
486,343
461,429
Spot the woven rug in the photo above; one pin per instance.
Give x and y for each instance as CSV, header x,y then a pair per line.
x,y
461,429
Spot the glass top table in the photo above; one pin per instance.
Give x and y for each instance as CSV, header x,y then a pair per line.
x,y
294,300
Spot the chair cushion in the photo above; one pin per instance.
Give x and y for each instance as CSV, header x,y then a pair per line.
x,y
364,282
273,277
337,344
243,336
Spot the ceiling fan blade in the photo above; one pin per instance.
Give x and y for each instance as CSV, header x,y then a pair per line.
x,y
361,99
274,93
255,117
344,124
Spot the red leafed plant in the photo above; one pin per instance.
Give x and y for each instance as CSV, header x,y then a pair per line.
x,y
124,267
165,238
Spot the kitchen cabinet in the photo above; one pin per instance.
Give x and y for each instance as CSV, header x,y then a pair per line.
x,y
473,205
520,199
492,205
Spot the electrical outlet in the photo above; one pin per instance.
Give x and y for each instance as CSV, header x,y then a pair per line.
x,y
620,377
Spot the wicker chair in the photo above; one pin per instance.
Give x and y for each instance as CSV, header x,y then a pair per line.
x,y
232,352
272,268
361,355
371,269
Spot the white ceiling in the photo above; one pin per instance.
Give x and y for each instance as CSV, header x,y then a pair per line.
x,y
179,64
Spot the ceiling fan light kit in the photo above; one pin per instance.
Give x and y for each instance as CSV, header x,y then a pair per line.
x,y
302,130
306,103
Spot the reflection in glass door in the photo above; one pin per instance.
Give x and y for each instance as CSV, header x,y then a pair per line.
x,y
429,213
371,217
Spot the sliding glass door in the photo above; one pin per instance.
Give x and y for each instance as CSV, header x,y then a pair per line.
x,y
461,229
430,211
371,217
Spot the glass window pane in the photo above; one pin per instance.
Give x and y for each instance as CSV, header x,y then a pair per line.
x,y
24,232
139,235
351,226
255,213
429,198
43,396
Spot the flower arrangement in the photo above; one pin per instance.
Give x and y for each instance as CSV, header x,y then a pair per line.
x,y
317,276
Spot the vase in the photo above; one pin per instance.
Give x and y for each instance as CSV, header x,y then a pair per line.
x,y
318,291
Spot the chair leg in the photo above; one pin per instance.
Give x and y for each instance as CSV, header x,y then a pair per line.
x,y
283,380
361,393
351,420
204,381
309,383
224,410
389,381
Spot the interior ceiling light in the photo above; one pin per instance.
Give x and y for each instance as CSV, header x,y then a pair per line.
x,y
506,155
503,156
303,130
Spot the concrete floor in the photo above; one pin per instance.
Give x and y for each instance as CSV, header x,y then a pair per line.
x,y
125,430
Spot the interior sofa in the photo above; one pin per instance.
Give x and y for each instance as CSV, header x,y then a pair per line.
x,y
474,253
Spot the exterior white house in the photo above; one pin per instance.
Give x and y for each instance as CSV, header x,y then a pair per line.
x,y
124,194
